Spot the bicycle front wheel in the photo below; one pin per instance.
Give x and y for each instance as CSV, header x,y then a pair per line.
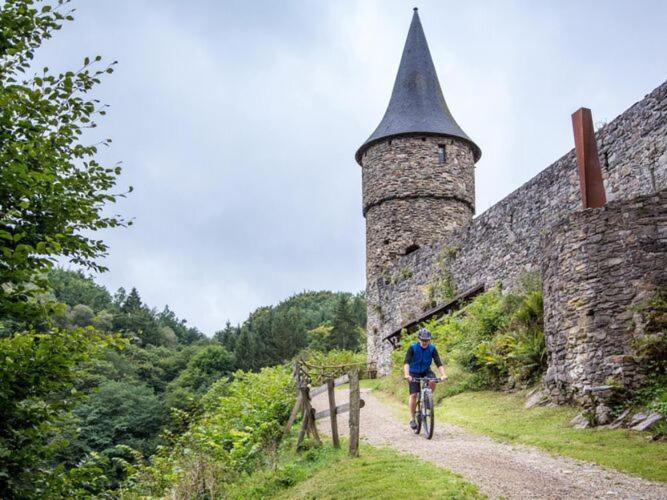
x,y
428,416
418,419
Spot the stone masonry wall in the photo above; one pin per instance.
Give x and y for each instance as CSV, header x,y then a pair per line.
x,y
410,199
503,242
597,266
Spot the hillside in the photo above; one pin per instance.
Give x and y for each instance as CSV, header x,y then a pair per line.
x,y
143,376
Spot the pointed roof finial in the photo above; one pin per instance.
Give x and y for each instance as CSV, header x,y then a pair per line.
x,y
417,105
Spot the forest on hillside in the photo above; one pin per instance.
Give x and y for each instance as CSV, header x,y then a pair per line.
x,y
147,384
95,385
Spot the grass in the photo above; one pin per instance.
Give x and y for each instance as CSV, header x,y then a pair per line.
x,y
327,473
502,416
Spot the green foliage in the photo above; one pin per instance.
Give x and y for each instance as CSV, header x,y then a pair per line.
x,y
89,304
325,472
443,287
53,191
208,365
238,431
651,354
318,337
344,333
317,320
36,392
74,288
332,363
121,413
498,337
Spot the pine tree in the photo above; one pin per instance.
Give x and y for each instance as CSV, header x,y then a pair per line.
x,y
344,333
246,350
132,302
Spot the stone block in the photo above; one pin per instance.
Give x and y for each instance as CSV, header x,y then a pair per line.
x,y
650,420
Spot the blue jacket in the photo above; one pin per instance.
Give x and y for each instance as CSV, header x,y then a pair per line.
x,y
420,359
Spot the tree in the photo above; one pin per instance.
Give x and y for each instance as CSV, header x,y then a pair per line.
x,y
36,390
52,189
344,334
132,302
81,315
74,287
227,336
246,350
53,197
210,364
121,413
286,337
185,334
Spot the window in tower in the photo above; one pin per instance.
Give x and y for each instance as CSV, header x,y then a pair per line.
x,y
441,153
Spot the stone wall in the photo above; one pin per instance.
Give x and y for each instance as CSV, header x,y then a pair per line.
x,y
598,265
503,242
410,198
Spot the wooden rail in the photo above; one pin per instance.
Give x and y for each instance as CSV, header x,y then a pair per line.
x,y
309,416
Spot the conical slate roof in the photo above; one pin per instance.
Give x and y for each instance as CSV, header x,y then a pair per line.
x,y
417,105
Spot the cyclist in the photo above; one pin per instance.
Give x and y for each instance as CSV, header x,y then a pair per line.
x,y
417,364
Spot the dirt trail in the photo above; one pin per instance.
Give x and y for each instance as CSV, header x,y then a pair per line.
x,y
500,470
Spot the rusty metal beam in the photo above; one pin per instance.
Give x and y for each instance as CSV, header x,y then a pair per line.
x,y
588,162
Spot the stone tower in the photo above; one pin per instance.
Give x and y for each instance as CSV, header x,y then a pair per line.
x,y
418,176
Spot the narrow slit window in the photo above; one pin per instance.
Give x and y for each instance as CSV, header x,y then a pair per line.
x,y
442,156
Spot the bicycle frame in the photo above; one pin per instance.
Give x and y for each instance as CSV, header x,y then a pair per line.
x,y
425,394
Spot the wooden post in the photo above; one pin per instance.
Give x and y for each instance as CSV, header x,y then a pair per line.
x,y
313,426
334,417
305,416
308,419
354,413
293,415
302,430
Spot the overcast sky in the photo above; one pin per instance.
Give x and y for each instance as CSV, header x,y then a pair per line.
x,y
237,123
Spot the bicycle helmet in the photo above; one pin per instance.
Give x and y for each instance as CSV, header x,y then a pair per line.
x,y
424,334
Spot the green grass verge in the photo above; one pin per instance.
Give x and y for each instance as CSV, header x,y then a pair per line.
x,y
503,417
327,473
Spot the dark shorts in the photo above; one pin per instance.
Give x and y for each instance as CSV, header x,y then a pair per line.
x,y
414,386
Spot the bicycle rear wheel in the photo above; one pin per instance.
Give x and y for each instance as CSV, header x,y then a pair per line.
x,y
428,415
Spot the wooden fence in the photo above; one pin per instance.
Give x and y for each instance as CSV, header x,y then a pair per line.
x,y
303,405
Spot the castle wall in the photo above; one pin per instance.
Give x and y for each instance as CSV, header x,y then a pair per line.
x,y
598,265
504,241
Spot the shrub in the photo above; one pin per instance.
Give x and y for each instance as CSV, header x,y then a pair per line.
x,y
238,431
37,375
497,337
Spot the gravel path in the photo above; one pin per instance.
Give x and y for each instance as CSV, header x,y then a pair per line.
x,y
500,470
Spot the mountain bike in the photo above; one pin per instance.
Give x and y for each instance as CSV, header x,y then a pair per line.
x,y
424,414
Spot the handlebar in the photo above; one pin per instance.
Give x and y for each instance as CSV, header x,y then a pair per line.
x,y
427,379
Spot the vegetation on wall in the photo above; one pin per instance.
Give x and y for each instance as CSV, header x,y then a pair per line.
x,y
651,353
495,341
498,337
442,287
